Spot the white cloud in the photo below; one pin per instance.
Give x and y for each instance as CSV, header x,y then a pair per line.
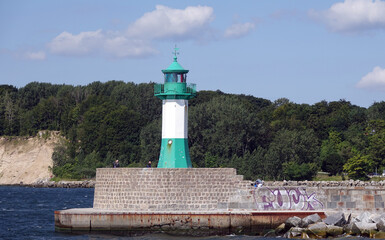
x,y
121,47
353,15
40,55
190,23
373,80
239,30
112,44
81,44
169,23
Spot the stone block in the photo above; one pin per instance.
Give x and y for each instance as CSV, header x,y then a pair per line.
x,y
335,198
379,204
377,198
337,219
331,204
350,205
222,205
346,198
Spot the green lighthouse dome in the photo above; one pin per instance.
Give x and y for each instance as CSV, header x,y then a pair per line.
x,y
175,67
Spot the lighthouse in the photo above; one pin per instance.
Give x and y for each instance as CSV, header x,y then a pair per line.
x,y
175,93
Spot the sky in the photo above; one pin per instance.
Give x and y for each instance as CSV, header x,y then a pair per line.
x,y
304,50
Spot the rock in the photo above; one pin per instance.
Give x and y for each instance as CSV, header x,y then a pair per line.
x,y
364,228
348,228
378,218
334,230
337,219
306,221
379,235
304,235
318,229
280,229
364,217
381,225
294,232
292,222
349,219
270,234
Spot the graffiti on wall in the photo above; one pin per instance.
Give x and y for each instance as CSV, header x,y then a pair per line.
x,y
286,199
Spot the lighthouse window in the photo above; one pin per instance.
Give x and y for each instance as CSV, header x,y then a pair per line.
x,y
170,77
174,77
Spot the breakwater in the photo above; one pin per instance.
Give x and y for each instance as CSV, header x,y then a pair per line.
x,y
143,189
210,201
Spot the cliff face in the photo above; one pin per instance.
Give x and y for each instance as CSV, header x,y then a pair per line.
x,y
26,159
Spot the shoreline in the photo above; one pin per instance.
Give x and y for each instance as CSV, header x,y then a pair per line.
x,y
91,184
59,184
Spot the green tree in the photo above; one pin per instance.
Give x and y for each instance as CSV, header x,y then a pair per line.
x,y
150,139
358,167
291,146
331,161
299,172
376,149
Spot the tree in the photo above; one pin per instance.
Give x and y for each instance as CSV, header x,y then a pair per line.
x,y
223,126
150,139
358,167
10,114
376,149
331,161
299,172
291,146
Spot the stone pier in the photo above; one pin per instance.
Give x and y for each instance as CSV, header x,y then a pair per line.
x,y
202,201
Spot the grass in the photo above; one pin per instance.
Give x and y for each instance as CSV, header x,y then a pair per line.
x,y
321,176
325,177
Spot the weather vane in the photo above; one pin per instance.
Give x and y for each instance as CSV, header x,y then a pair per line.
x,y
175,51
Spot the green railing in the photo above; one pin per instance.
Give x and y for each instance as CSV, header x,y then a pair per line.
x,y
175,88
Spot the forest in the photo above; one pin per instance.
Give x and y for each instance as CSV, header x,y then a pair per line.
x,y
278,140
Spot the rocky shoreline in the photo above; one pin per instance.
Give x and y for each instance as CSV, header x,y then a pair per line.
x,y
334,225
346,183
45,183
59,184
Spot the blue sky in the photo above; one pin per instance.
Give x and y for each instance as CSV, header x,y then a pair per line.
x,y
306,51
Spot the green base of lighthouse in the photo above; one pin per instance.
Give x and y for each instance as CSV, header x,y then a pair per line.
x,y
174,153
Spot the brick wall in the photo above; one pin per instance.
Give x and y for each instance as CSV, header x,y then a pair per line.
x,y
157,189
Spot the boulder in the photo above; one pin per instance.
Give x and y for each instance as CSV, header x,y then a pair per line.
x,y
364,217
349,218
334,230
280,230
318,229
294,232
378,218
336,219
306,221
304,235
270,234
292,222
379,235
364,228
381,224
348,228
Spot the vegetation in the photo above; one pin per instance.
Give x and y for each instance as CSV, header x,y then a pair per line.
x,y
261,139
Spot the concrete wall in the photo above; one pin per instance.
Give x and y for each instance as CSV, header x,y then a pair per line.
x,y
202,189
